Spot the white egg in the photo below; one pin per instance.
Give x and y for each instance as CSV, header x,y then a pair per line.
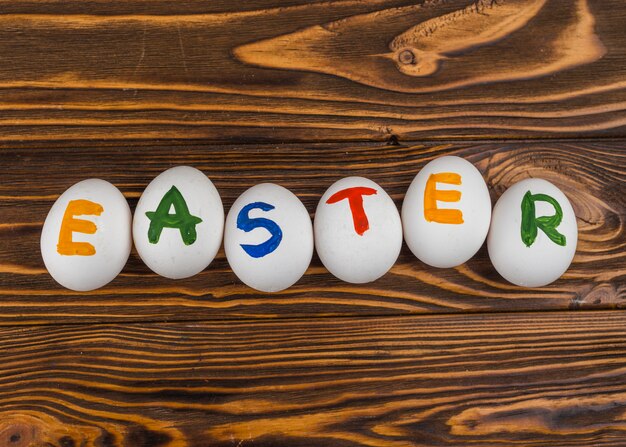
x,y
268,238
179,223
86,240
533,234
446,212
358,232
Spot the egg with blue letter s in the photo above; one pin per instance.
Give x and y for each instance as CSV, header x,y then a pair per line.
x,y
533,236
179,223
268,238
86,239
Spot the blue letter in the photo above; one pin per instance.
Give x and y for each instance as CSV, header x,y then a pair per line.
x,y
247,224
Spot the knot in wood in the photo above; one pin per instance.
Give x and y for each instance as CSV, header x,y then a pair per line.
x,y
407,57
17,435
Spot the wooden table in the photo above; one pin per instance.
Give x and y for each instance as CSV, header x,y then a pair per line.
x,y
302,93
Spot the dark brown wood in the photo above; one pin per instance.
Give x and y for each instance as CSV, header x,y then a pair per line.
x,y
592,174
302,93
502,379
269,70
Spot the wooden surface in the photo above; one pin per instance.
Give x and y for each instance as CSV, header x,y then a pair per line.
x,y
507,379
302,93
269,70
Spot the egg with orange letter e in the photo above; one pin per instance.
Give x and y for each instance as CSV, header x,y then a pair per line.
x,y
358,233
86,237
446,212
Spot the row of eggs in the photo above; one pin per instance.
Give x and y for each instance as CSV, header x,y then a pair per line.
x,y
179,223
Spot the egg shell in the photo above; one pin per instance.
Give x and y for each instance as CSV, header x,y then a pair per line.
x,y
349,249
441,244
111,241
268,238
171,255
544,261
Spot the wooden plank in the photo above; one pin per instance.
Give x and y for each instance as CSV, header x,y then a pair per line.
x,y
592,174
497,379
311,70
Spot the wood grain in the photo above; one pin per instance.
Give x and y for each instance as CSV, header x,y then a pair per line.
x,y
125,90
268,70
502,379
592,174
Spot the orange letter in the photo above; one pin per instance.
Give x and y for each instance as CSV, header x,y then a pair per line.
x,y
66,245
432,194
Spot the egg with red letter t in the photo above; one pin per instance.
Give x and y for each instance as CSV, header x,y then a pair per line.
x,y
179,223
533,234
86,240
268,238
446,212
358,233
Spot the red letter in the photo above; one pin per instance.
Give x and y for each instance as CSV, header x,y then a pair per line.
x,y
355,197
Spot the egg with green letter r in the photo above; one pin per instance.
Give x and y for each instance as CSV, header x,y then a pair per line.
x,y
533,234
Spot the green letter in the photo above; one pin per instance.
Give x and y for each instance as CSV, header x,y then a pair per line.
x,y
547,224
185,222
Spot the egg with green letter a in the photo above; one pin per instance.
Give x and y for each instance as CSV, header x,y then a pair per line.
x,y
533,234
178,223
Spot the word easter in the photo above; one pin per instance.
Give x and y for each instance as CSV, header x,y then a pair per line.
x,y
179,223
